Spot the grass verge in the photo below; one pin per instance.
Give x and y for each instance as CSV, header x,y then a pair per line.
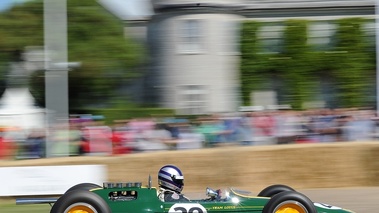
x,y
9,206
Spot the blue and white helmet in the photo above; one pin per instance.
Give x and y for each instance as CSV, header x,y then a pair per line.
x,y
170,177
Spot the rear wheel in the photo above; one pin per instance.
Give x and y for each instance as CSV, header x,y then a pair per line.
x,y
289,202
274,189
80,201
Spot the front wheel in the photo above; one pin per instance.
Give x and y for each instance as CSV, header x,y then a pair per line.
x,y
275,189
289,202
80,201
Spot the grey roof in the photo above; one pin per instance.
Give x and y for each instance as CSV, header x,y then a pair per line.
x,y
144,9
263,4
267,4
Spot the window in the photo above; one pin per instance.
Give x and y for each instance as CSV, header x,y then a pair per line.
x,y
320,34
271,36
369,29
230,40
192,100
190,36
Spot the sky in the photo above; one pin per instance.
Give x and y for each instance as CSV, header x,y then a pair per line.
x,y
128,9
6,4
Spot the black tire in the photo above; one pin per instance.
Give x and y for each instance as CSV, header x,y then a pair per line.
x,y
275,189
292,200
80,200
83,186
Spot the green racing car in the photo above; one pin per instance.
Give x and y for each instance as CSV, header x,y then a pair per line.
x,y
132,197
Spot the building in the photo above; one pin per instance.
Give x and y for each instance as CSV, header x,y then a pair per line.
x,y
194,45
194,48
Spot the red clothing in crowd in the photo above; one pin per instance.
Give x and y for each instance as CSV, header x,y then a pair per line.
x,y
264,124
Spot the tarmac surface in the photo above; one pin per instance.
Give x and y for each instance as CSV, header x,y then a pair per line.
x,y
359,200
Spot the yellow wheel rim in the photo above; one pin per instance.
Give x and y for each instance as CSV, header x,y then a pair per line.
x,y
290,207
80,208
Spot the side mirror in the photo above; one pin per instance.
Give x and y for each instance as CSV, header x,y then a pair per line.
x,y
211,193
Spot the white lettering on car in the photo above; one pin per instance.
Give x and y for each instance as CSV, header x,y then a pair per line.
x,y
187,208
326,206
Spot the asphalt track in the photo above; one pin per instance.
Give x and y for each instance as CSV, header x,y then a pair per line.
x,y
359,200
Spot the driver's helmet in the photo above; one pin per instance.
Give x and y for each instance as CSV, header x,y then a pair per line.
x,y
170,177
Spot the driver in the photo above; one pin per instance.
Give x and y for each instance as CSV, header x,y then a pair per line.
x,y
170,180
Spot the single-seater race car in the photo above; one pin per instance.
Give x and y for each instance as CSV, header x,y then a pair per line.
x,y
135,198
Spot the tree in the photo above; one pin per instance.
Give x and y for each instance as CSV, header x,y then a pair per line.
x,y
297,69
348,66
249,59
95,38
353,72
285,72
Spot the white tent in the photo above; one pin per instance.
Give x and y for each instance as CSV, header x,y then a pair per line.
x,y
17,110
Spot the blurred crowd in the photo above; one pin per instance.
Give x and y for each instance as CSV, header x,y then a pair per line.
x,y
89,135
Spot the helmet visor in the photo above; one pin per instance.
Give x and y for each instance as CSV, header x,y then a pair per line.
x,y
178,179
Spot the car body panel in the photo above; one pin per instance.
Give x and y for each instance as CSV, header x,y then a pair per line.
x,y
135,198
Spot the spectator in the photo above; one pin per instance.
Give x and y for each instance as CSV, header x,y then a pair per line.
x,y
188,138
359,127
3,146
121,141
245,130
287,127
212,129
264,126
155,139
326,126
34,146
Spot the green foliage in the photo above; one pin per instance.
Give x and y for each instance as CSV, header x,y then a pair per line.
x,y
22,26
298,68
295,39
95,38
249,58
9,206
255,68
352,73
